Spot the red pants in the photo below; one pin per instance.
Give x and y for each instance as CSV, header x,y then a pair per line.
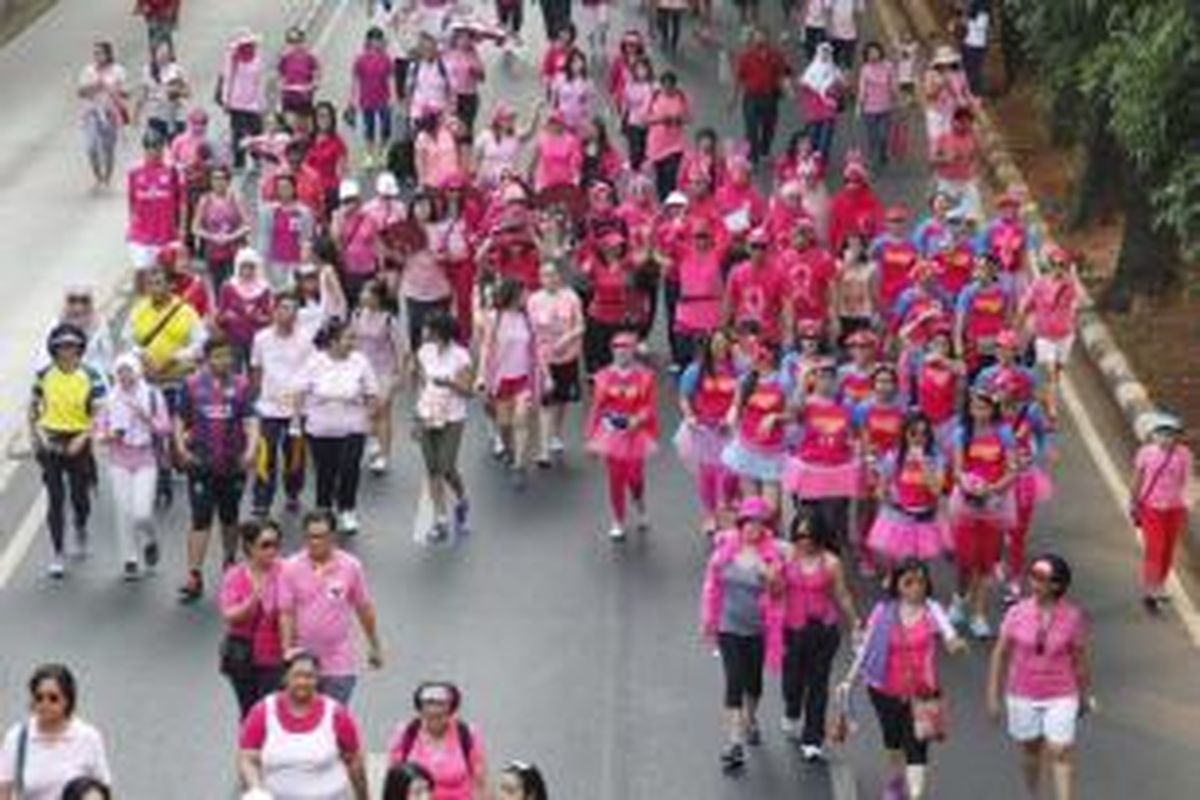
x,y
1161,528
461,275
976,545
1019,534
717,487
625,477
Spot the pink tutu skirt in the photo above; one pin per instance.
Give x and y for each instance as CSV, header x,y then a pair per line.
x,y
699,445
623,445
999,510
897,536
810,481
1033,487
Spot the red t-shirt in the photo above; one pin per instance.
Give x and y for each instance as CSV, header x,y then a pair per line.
x,y
758,293
960,149
761,70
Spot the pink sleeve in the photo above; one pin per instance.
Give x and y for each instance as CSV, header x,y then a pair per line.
x,y
346,731
710,594
233,589
254,729
359,596
478,761
287,597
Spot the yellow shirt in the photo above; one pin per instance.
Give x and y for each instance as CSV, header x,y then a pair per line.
x,y
175,335
66,401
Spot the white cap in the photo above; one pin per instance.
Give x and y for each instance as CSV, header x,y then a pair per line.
x,y
247,255
676,199
1154,421
386,185
349,188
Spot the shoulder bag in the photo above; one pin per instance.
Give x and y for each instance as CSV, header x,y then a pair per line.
x,y
1136,505
927,703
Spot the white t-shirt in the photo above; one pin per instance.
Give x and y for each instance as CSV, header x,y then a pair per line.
x,y
336,394
111,79
843,19
977,30
816,13
282,360
52,763
438,405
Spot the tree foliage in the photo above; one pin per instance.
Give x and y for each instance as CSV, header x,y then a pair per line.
x,y
1133,67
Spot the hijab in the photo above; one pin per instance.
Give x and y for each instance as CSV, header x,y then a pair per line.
x,y
821,73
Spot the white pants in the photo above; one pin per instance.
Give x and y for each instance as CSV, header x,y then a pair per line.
x,y
1053,352
133,497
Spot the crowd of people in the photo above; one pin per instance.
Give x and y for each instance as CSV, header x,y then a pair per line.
x,y
865,389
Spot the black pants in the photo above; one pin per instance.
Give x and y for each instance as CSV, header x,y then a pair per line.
x,y
243,124
973,58
679,354
337,461
277,445
669,22
760,113
831,517
556,15
896,726
813,37
742,657
635,138
666,175
807,663
843,52
510,14
253,685
65,475
466,106
597,344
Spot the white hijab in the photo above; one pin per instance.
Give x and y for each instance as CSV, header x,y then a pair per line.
x,y
821,73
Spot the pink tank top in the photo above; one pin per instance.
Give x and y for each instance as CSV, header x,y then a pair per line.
x,y
809,595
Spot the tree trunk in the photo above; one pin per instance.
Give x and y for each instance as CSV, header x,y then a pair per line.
x,y
1094,191
1148,262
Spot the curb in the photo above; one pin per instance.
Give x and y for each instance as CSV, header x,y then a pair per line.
x,y
1131,396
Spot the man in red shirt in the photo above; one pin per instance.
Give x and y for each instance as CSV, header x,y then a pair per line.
x,y
760,71
162,17
757,291
954,155
810,271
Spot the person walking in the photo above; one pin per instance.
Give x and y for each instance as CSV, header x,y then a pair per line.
x,y
54,746
244,304
65,400
297,743
220,226
819,91
1041,664
438,739
251,655
556,313
163,94
898,657
322,591
371,92
162,19
216,438
105,110
134,421
378,337
154,193
707,391
761,72
286,228
875,101
241,90
669,113
1159,502
742,614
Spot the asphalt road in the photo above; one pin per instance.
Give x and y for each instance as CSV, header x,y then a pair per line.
x,y
573,653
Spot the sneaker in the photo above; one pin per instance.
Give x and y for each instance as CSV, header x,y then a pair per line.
x,y
790,728
812,753
347,522
150,555
544,461
980,628
192,589
373,449
958,611
131,572
519,479
617,532
1151,604
498,448
378,465
461,509
439,533
733,758
557,446
56,569
753,735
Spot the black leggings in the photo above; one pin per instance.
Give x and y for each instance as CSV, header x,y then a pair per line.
x,y
807,662
63,474
666,175
278,448
337,461
669,21
896,726
597,344
635,138
243,124
742,657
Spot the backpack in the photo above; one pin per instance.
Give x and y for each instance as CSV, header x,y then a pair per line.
x,y
408,740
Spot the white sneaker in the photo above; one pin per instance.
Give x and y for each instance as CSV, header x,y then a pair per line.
x,y
55,569
616,533
643,520
497,445
958,611
556,445
373,449
980,628
348,523
378,465
812,752
790,728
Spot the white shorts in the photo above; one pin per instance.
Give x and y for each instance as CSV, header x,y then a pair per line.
x,y
143,256
1053,720
1051,352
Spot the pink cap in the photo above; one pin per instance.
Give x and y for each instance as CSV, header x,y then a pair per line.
x,y
625,340
754,507
1007,339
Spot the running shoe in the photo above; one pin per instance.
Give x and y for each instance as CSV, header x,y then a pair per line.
x,y
617,532
544,461
56,569
498,448
150,554
461,509
378,465
733,758
1151,604
557,446
812,753
348,522
790,728
958,611
439,533
131,573
980,628
753,735
192,589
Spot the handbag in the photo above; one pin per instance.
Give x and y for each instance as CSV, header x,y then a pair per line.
x,y
1135,505
237,650
927,705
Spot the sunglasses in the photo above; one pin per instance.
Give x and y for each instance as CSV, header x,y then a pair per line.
x,y
912,580
53,698
79,298
268,544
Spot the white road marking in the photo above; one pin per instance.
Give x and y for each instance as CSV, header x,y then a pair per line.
x,y
423,518
841,778
18,545
1119,490
377,767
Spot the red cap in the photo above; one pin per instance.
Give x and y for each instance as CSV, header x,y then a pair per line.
x,y
625,339
809,329
758,236
1007,339
864,337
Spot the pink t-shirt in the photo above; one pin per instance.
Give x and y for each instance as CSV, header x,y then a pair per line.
x,y
700,290
876,87
357,232
324,601
669,114
254,729
436,157
511,347
262,628
553,315
1170,488
452,776
464,69
1051,673
298,69
808,595
635,101
574,99
1052,304
373,73
560,160
335,394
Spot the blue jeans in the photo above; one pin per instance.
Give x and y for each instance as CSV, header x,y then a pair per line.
x,y
878,126
339,687
820,134
377,122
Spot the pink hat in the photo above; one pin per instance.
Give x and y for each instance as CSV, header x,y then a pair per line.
x,y
503,112
758,236
1007,339
754,507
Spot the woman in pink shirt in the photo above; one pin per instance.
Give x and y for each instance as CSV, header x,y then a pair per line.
x,y
449,749
511,374
327,153
299,73
465,70
244,303
371,90
637,90
498,147
1050,307
424,285
876,99
898,657
220,225
557,316
437,148
356,233
557,154
1159,502
1041,658
573,93
242,90
286,229
670,112
251,653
